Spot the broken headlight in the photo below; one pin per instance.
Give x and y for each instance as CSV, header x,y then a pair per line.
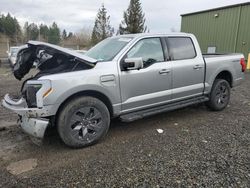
x,y
29,93
35,91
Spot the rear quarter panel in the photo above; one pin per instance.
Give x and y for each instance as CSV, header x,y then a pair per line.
x,y
217,64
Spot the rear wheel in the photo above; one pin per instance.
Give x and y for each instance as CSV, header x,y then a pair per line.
x,y
83,122
220,95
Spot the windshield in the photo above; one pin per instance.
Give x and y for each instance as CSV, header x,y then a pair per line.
x,y
108,48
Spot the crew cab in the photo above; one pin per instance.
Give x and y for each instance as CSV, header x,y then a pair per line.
x,y
127,76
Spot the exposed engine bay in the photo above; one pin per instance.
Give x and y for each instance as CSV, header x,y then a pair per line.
x,y
47,60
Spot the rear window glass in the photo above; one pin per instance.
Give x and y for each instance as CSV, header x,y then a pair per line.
x,y
181,48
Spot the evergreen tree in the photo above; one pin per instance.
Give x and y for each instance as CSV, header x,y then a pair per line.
x,y
18,32
31,31
25,31
134,19
44,32
54,34
70,35
1,23
102,28
64,34
10,27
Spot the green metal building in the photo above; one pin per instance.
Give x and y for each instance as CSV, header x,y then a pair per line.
x,y
221,30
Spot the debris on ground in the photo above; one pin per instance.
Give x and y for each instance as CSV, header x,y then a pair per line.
x,y
129,169
185,130
205,141
20,167
160,131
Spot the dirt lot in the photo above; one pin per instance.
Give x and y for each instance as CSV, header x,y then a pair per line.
x,y
198,148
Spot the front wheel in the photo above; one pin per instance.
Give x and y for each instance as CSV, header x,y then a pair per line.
x,y
83,121
219,96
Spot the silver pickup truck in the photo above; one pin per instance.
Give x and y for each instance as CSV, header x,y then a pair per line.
x,y
127,76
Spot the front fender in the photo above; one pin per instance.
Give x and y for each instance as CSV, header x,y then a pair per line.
x,y
61,92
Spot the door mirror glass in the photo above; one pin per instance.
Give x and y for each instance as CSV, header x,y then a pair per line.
x,y
133,63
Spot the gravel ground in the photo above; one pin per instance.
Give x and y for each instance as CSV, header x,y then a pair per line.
x,y
198,148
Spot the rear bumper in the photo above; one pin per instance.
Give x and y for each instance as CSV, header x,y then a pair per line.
x,y
31,119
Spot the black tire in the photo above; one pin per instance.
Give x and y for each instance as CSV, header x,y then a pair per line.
x,y
219,96
83,122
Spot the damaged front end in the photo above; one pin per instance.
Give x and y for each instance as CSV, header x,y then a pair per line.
x,y
34,112
33,126
34,115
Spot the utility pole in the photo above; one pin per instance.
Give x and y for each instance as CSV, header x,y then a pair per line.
x,y
39,37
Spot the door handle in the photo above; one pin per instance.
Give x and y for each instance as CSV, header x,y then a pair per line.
x,y
164,71
197,67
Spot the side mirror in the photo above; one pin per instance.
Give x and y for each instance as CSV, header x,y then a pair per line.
x,y
133,63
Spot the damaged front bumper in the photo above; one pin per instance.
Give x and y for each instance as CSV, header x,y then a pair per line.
x,y
31,119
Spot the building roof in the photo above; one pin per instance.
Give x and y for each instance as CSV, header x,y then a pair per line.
x,y
219,8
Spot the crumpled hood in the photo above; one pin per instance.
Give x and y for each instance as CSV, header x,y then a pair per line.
x,y
28,53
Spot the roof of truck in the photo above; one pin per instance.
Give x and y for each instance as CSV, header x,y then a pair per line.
x,y
154,34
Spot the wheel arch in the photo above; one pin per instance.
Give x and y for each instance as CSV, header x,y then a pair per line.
x,y
226,75
90,93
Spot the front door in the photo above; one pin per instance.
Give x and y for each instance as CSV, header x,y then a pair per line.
x,y
151,85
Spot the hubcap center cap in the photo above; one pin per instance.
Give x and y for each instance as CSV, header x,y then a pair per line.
x,y
85,123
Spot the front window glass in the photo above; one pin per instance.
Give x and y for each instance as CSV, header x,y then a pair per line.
x,y
150,50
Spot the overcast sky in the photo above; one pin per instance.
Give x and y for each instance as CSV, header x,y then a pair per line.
x,y
72,15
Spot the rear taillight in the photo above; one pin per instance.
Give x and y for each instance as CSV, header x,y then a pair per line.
x,y
243,64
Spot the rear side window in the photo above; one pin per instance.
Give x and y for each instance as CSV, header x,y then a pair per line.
x,y
181,48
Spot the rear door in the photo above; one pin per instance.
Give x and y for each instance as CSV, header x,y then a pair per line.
x,y
188,68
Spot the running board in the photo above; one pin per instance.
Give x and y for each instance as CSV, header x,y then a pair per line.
x,y
165,108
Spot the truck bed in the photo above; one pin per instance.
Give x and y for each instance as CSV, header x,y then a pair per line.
x,y
219,55
219,58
